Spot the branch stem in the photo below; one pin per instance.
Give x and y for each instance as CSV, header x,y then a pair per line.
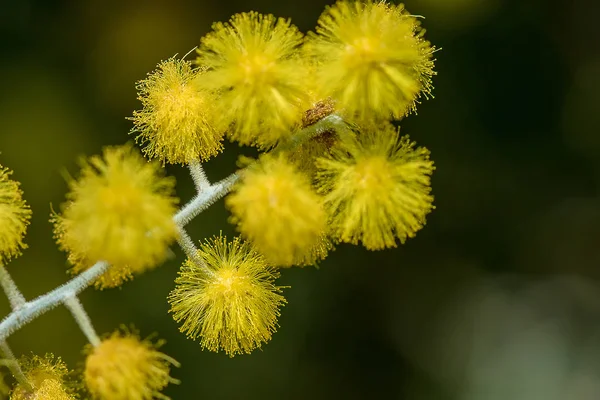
x,y
82,319
15,297
14,366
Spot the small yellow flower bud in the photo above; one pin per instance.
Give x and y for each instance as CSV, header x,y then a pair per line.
x,y
376,188
371,58
234,305
275,207
254,64
124,367
177,120
47,379
120,211
14,217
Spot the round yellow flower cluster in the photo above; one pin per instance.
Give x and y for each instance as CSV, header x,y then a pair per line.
x,y
335,168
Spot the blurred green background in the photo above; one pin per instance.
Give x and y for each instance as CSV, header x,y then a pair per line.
x,y
496,298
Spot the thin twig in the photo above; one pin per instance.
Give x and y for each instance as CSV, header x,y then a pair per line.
x,y
204,200
38,306
188,246
14,366
15,297
199,176
82,319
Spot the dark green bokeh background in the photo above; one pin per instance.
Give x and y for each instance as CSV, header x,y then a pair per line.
x,y
496,298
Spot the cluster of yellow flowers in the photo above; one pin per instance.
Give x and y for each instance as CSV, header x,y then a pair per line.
x,y
333,169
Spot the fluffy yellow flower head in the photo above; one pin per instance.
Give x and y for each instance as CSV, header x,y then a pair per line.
x,y
47,378
120,210
376,188
124,367
177,119
254,64
371,58
14,217
234,305
275,207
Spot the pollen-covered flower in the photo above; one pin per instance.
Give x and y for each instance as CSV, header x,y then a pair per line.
x,y
125,367
46,376
316,254
376,188
232,305
14,217
176,123
275,207
120,210
371,58
255,65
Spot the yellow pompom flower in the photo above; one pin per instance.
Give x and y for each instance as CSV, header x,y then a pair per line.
x,y
14,217
275,207
46,376
176,123
376,188
120,210
232,305
255,66
371,58
125,367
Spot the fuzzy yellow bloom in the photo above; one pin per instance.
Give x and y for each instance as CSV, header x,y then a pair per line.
x,y
275,207
316,254
125,367
255,66
371,58
47,378
176,123
234,305
14,217
376,188
120,210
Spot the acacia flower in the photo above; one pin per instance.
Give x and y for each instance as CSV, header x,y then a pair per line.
x,y
176,123
46,376
376,188
125,367
120,210
14,217
275,207
371,58
232,306
255,65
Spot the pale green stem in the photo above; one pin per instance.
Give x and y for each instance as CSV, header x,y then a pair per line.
x,y
38,306
204,200
199,176
188,246
82,319
15,297
14,366
332,122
